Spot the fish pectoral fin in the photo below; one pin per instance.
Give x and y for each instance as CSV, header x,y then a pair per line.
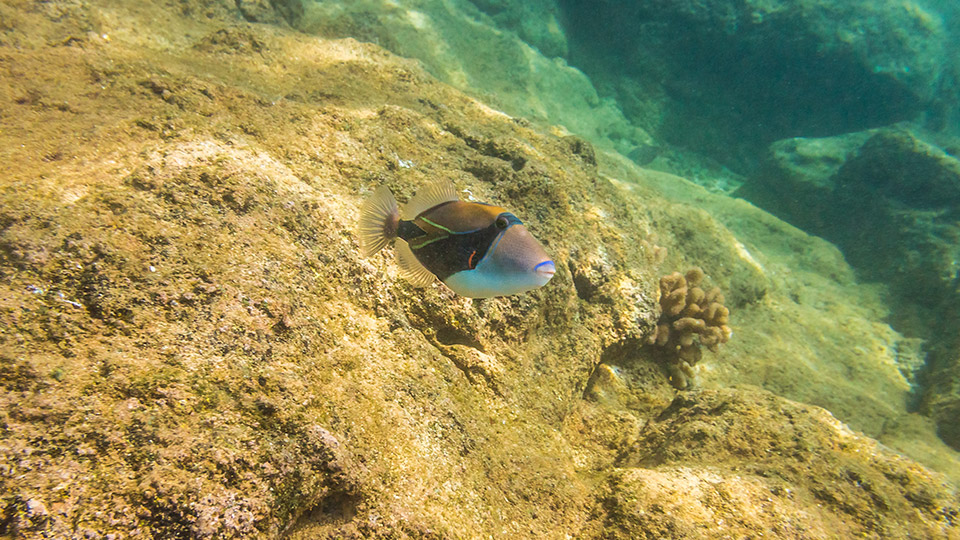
x,y
429,196
410,268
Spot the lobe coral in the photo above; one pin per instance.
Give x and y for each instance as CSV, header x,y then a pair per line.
x,y
690,319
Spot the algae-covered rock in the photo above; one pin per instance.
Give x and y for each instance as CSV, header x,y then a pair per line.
x,y
192,346
749,474
190,338
476,49
889,199
537,22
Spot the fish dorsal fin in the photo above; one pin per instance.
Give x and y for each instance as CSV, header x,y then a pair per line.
x,y
429,196
410,268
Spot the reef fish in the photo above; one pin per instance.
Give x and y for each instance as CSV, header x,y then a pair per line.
x,y
478,250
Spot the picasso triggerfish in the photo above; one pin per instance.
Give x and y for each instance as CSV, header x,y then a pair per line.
x,y
479,250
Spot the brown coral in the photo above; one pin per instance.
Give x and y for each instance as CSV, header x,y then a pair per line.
x,y
690,318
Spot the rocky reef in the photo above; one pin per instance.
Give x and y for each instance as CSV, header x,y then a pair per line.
x,y
890,198
505,53
726,79
192,347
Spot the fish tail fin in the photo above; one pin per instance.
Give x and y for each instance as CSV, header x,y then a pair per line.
x,y
379,219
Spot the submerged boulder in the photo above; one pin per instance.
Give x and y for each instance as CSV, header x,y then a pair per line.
x,y
891,201
508,54
192,346
749,475
728,78
535,22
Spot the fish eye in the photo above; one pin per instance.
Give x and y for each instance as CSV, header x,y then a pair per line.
x,y
502,222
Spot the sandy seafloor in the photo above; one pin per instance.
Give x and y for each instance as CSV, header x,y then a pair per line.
x,y
192,347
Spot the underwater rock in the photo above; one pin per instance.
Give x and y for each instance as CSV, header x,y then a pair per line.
x,y
797,179
192,346
644,154
889,199
465,44
736,76
906,193
537,22
746,475
258,11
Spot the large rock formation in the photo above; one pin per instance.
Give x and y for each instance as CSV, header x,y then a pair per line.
x,y
728,78
191,346
891,201
481,53
536,22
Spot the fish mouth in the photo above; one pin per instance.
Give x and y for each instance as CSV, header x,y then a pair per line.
x,y
545,270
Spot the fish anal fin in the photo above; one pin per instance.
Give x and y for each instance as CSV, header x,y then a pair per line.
x,y
410,268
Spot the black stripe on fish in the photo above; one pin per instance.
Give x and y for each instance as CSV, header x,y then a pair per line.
x,y
409,231
449,253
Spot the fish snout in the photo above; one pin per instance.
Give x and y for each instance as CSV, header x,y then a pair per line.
x,y
545,271
521,261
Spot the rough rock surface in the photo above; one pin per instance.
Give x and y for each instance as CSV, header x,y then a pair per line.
x,y
753,451
190,345
536,22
